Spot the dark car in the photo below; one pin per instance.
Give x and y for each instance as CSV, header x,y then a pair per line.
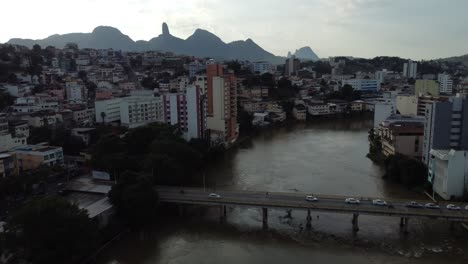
x,y
414,204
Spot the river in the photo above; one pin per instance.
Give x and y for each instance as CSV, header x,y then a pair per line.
x,y
325,157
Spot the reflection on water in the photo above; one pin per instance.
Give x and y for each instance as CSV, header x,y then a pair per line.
x,y
327,157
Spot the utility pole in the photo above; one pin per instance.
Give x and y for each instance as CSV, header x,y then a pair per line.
x,y
204,186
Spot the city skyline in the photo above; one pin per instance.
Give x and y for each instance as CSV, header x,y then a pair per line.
x,y
359,28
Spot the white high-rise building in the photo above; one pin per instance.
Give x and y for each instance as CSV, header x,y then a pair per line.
x,y
133,111
380,75
139,111
445,83
410,69
187,111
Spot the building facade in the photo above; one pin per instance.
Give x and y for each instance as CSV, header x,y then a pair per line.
x,y
107,111
445,83
446,126
187,111
8,164
291,66
32,156
402,137
261,67
448,172
136,111
363,85
426,87
221,106
410,69
407,104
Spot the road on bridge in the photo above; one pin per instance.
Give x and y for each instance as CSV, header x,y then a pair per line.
x,y
298,201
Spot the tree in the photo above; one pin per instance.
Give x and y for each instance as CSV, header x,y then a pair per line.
x,y
148,82
234,65
51,230
405,170
135,199
83,76
347,92
245,123
103,116
37,49
6,100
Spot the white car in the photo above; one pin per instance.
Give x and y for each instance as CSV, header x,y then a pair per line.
x,y
311,199
431,206
379,202
214,195
453,207
352,201
466,208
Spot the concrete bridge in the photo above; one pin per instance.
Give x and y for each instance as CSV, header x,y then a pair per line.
x,y
297,201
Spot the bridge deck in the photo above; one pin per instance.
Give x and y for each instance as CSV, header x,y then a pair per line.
x,y
297,201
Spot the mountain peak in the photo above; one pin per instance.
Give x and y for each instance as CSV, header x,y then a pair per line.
x,y
165,29
106,30
306,53
204,34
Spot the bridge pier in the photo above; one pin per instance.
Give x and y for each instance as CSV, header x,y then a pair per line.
x,y
181,210
288,213
452,225
309,219
265,218
404,222
355,222
222,214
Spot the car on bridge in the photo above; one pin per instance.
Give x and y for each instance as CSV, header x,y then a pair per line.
x,y
311,199
352,201
214,196
453,207
414,204
379,202
431,206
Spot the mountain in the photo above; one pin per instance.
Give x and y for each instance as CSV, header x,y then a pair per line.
x,y
463,59
101,38
306,53
201,43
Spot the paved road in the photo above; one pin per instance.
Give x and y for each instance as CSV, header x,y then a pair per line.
x,y
298,201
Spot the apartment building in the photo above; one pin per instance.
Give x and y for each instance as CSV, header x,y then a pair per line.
x,y
445,83
426,87
221,106
32,156
202,82
74,91
107,111
446,126
321,109
187,111
300,112
261,67
363,85
291,66
410,69
448,172
8,164
403,137
139,111
407,104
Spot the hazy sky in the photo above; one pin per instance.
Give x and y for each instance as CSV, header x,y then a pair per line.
x,y
419,29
